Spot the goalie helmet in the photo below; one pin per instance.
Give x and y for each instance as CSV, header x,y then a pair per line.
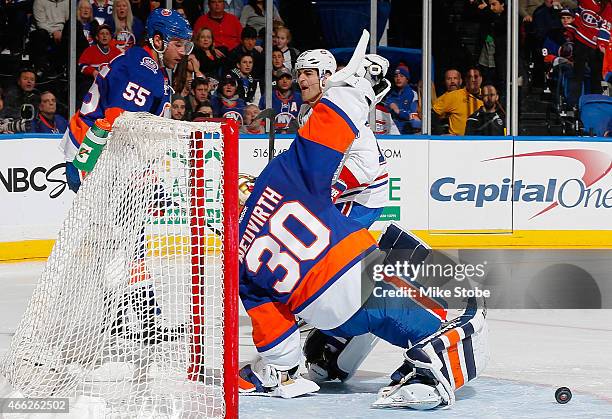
x,y
321,59
170,25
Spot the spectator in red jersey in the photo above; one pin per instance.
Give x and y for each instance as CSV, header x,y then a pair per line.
x,y
592,23
211,58
225,27
95,56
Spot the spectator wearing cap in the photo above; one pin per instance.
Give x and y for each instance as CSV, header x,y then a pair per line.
x,y
200,92
226,102
248,88
211,58
248,45
99,54
402,102
286,102
48,121
225,27
24,92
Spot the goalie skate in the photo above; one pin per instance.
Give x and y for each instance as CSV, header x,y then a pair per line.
x,y
413,395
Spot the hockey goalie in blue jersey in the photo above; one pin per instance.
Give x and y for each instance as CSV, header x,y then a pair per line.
x,y
300,256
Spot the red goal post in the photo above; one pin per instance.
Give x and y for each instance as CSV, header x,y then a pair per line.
x,y
136,311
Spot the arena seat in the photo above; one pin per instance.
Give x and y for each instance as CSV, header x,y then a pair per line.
x,y
595,113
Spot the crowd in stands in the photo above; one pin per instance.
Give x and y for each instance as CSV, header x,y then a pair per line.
x,y
562,47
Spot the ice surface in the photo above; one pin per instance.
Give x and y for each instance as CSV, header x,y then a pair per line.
x,y
533,352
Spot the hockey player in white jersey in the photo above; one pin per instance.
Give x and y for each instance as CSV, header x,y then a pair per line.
x,y
361,188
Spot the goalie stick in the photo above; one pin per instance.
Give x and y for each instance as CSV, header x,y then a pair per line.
x,y
270,114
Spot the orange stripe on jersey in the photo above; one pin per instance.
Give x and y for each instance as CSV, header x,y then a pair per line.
x,y
78,127
270,320
337,258
424,301
453,357
326,127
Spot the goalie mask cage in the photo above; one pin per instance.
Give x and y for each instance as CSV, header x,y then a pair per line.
x,y
136,311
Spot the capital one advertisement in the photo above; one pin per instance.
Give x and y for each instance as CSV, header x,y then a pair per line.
x,y
520,185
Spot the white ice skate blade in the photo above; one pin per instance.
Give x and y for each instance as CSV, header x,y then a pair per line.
x,y
292,388
414,396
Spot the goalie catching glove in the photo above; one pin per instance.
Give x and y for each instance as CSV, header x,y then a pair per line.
x,y
263,379
365,72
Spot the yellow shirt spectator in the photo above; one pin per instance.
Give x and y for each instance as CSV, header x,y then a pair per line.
x,y
457,106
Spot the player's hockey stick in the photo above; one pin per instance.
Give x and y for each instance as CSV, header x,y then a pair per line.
x,y
270,114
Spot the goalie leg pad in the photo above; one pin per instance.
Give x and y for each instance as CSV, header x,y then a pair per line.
x,y
402,246
455,354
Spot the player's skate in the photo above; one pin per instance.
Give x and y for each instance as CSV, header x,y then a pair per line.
x,y
410,392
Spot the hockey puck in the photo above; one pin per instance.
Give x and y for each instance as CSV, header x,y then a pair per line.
x,y
563,395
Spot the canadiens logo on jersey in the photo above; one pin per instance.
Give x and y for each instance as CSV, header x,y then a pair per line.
x,y
150,63
236,116
589,18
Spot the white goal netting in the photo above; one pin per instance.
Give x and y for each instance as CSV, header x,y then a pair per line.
x,y
130,315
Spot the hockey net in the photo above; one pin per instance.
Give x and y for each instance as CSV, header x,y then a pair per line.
x,y
135,314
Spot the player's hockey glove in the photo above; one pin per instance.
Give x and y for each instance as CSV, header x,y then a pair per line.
x,y
376,67
260,378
